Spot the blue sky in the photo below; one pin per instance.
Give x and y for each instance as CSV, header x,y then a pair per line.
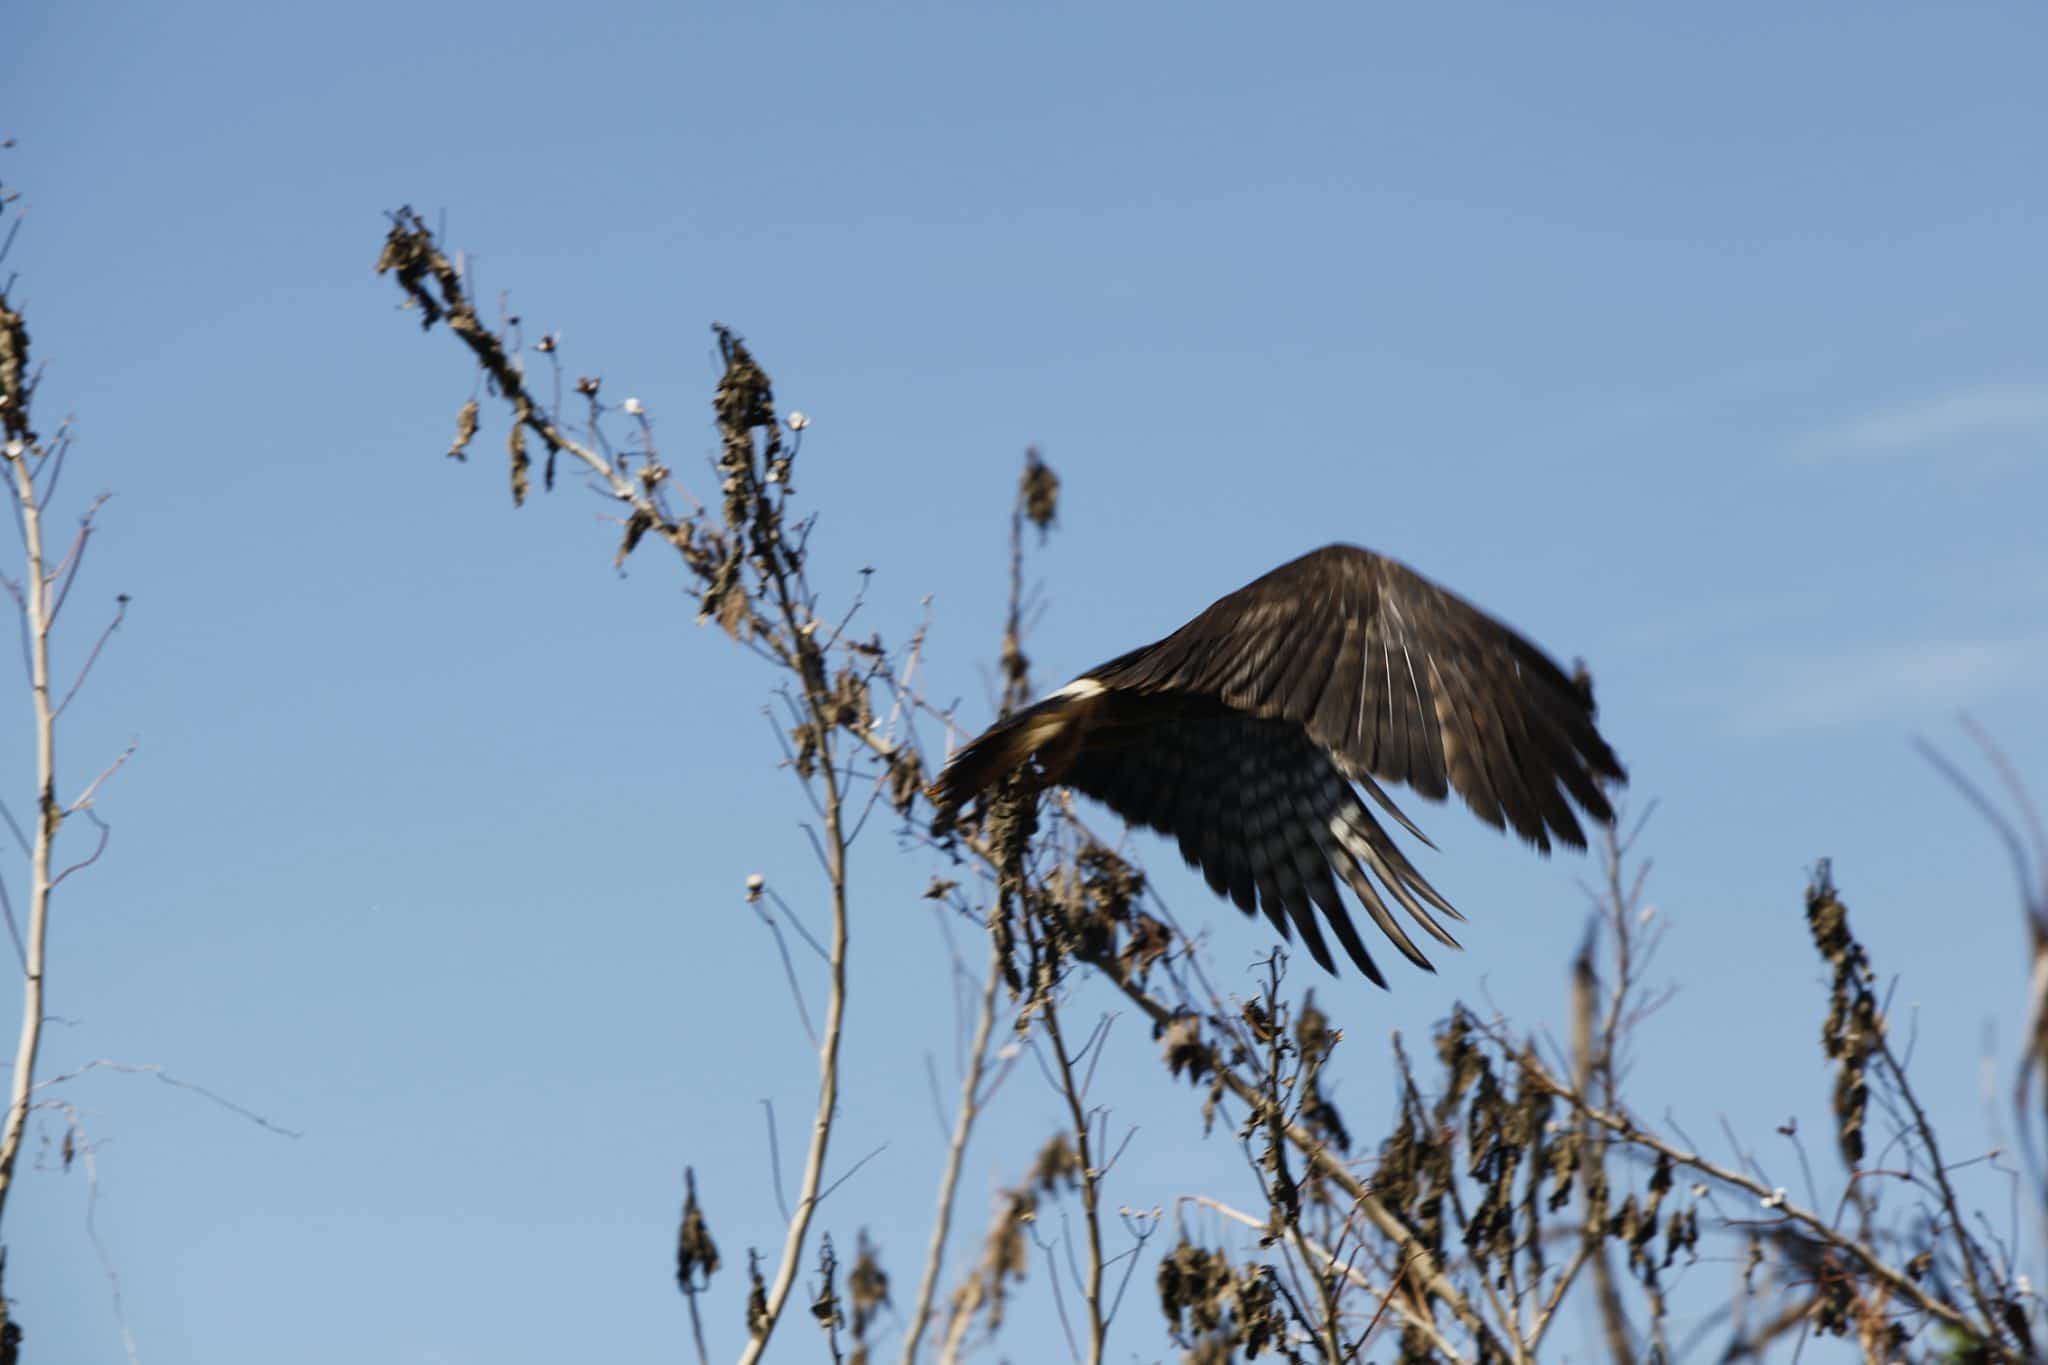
x,y
1705,344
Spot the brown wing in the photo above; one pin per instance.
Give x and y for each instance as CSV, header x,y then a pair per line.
x,y
1396,679
1262,810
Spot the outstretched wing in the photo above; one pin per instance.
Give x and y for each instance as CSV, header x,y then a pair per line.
x,y
1396,679
1262,810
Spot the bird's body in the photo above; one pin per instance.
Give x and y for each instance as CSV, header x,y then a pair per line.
x,y
1243,733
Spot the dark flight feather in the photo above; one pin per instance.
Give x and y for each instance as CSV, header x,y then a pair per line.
x,y
1243,733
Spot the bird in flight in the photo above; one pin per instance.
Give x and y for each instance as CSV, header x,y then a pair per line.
x,y
1248,733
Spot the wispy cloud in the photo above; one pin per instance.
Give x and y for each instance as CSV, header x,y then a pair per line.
x,y
1988,409
1828,689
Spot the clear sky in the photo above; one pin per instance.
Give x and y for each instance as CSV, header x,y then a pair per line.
x,y
1704,342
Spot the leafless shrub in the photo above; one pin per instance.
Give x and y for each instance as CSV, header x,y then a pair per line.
x,y
35,462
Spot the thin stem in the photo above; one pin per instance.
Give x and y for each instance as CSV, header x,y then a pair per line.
x,y
35,592
949,1183
93,656
1091,1181
811,671
697,1328
1332,1345
1593,1046
1965,1244
1548,1312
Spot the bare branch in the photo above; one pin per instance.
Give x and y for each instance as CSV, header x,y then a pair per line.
x,y
92,656
1090,1178
774,1157
949,1181
13,925
34,594
796,990
84,799
157,1071
99,847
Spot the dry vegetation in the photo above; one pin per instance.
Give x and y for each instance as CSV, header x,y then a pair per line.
x,y
35,463
1510,1182
1510,1185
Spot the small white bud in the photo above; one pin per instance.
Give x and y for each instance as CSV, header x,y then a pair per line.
x,y
755,882
1775,1199
797,421
632,407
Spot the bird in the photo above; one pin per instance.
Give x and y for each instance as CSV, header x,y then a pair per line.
x,y
1249,733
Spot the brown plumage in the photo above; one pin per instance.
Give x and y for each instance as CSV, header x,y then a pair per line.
x,y
1243,733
